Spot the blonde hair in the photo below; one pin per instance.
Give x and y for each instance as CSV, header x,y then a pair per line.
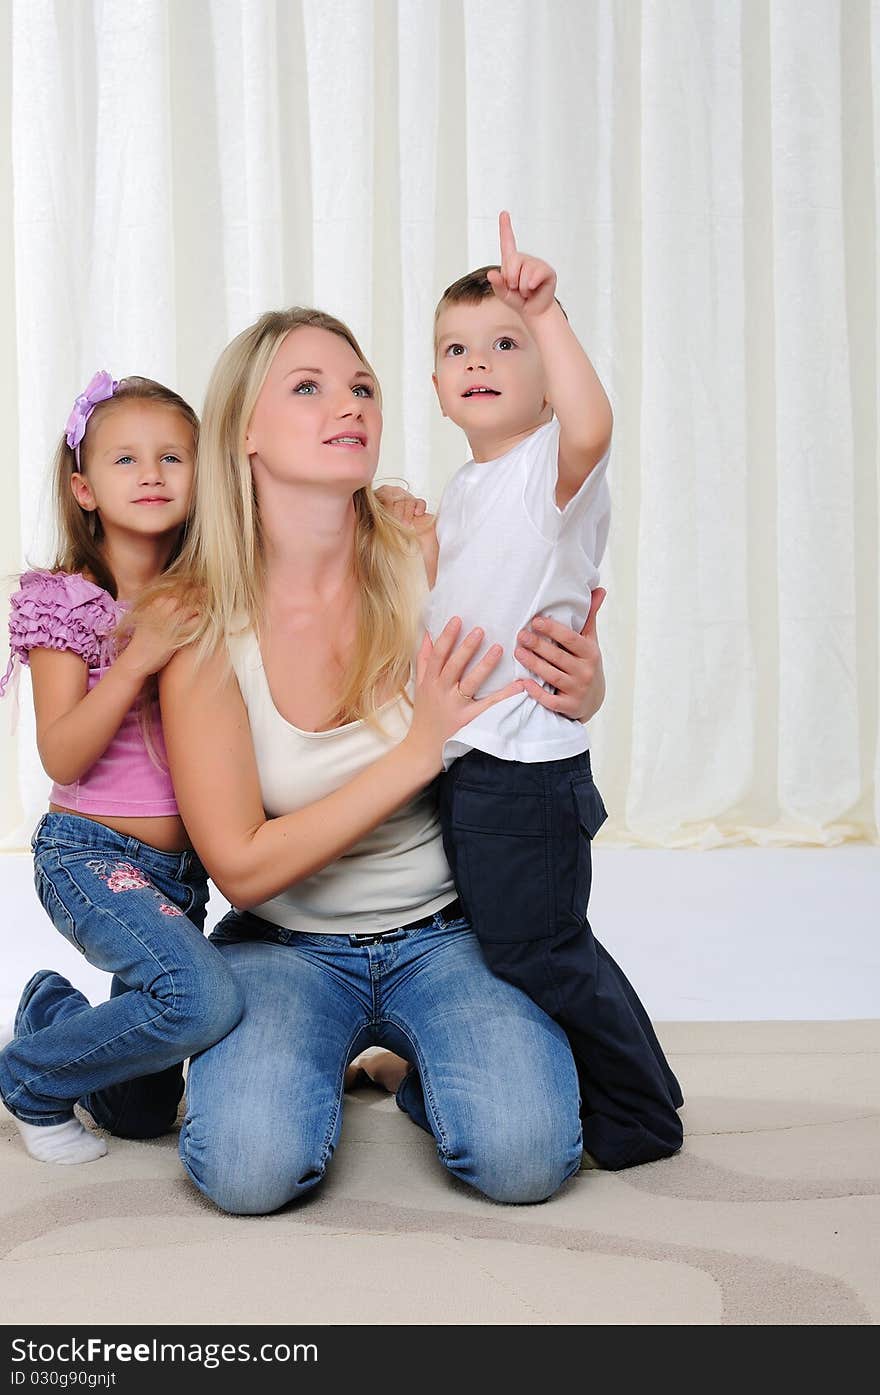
x,y
221,572
79,533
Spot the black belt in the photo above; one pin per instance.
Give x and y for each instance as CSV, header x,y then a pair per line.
x,y
452,911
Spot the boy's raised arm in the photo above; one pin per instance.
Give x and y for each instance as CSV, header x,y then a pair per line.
x,y
528,286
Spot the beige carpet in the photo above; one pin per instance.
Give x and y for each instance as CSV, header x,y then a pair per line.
x,y
770,1215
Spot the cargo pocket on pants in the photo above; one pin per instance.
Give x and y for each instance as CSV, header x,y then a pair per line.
x,y
591,814
501,864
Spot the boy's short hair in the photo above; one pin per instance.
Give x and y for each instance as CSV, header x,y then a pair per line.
x,y
467,290
470,290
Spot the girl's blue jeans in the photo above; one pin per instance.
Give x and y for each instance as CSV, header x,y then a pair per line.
x,y
137,913
494,1080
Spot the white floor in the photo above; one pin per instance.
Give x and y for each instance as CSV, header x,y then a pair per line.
x,y
740,934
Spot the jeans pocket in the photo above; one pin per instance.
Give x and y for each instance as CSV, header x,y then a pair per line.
x,y
55,908
501,864
590,814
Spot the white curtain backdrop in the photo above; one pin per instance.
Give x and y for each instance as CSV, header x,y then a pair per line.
x,y
702,174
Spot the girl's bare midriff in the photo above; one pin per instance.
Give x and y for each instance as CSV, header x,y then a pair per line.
x,y
165,832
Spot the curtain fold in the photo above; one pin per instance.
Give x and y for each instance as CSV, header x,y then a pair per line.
x,y
702,174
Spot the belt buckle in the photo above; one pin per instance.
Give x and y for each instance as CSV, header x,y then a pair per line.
x,y
370,939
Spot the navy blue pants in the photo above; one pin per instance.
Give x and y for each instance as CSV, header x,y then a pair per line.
x,y
517,838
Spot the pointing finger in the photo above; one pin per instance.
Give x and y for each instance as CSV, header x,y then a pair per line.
x,y
508,241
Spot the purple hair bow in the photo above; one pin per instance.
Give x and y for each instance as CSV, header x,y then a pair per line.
x,y
99,389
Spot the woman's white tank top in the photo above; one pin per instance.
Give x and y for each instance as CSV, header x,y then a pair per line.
x,y
396,874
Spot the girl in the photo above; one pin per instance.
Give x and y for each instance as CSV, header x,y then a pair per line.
x,y
113,866
320,824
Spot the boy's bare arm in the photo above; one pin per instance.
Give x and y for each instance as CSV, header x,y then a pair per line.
x,y
578,399
425,529
528,286
412,513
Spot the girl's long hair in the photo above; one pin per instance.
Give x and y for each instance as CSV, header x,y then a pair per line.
x,y
221,571
78,534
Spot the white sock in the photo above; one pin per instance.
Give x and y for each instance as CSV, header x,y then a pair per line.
x,y
61,1143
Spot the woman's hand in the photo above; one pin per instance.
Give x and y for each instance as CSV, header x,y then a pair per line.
x,y
570,662
445,687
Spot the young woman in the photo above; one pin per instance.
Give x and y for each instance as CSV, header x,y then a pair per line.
x,y
303,749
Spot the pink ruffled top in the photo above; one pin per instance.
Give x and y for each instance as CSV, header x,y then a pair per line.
x,y
62,610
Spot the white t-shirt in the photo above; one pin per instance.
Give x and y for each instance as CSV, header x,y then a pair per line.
x,y
396,874
508,553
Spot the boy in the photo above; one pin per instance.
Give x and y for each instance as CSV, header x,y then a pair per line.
x,y
521,530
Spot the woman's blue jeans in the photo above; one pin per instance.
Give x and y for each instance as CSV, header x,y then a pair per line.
x,y
137,913
494,1080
